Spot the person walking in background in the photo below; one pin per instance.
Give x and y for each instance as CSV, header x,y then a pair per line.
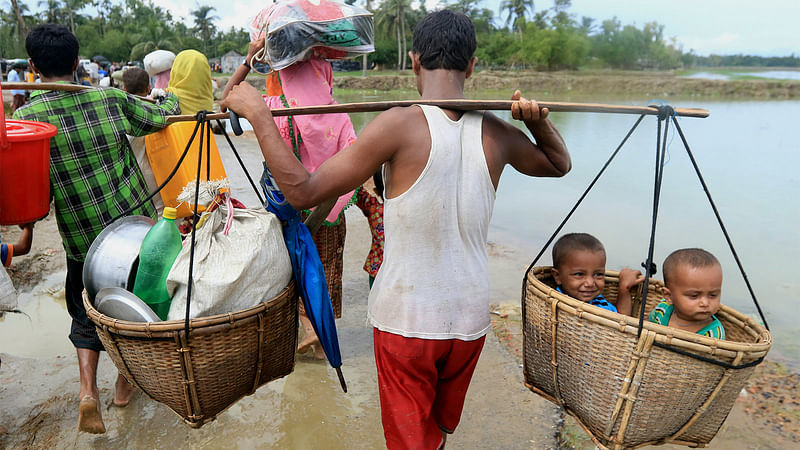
x,y
371,204
16,75
314,139
190,81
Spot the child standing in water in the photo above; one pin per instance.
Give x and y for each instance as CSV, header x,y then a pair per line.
x,y
579,269
372,207
693,286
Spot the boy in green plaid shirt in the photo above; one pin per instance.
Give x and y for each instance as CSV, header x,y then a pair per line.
x,y
94,177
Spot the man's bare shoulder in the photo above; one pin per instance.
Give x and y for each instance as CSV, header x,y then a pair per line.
x,y
398,124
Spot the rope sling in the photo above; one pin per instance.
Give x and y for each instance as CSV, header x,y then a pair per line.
x,y
606,370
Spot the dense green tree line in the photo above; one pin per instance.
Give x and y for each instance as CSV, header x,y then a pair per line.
x,y
516,36
121,30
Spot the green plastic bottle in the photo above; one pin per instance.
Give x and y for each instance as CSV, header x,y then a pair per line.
x,y
160,247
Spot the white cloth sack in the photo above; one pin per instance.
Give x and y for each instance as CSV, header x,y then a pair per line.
x,y
8,295
158,61
231,272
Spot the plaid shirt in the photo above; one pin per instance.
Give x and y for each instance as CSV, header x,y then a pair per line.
x,y
93,172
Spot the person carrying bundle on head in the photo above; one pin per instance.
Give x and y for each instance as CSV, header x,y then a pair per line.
x,y
429,305
314,139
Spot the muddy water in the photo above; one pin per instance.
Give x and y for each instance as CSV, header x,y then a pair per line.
x,y
42,330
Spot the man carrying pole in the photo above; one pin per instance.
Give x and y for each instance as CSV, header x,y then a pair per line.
x,y
429,304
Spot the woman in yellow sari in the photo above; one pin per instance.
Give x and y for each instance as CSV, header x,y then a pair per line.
x,y
190,80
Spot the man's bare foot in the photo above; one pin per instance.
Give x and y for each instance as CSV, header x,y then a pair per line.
x,y
308,341
319,353
89,418
123,392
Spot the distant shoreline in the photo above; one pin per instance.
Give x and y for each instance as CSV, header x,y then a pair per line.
x,y
652,84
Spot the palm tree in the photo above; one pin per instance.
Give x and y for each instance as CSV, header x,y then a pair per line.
x,y
392,18
50,9
204,23
70,8
517,10
19,8
155,36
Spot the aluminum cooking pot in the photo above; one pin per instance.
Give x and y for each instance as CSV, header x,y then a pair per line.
x,y
113,257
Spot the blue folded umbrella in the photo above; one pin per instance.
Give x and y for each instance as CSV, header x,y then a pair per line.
x,y
309,274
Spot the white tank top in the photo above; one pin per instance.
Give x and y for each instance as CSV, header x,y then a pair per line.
x,y
434,279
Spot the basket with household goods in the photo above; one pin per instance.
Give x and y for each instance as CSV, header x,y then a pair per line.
x,y
222,318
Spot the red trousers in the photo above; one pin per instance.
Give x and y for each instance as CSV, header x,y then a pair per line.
x,y
422,385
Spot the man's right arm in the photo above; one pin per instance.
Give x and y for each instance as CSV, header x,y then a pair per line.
x,y
145,117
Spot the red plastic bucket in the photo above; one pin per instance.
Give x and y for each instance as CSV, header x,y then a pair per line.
x,y
24,170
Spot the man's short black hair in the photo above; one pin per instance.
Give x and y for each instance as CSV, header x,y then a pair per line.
x,y
445,40
53,49
136,81
572,242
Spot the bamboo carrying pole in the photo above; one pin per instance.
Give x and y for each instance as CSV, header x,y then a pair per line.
x,y
461,105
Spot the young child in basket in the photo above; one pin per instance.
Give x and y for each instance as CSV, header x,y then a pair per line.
x,y
372,207
693,285
579,269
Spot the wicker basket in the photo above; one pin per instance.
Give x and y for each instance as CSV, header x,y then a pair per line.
x,y
228,356
627,391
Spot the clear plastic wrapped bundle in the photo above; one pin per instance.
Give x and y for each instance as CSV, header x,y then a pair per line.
x,y
301,29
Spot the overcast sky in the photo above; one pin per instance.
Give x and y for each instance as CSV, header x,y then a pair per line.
x,y
764,27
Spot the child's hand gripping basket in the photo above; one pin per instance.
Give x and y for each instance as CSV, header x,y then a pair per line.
x,y
227,356
626,390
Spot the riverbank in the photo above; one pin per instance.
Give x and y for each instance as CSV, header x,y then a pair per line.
x,y
650,84
660,85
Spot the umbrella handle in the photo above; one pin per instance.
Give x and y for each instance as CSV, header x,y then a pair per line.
x,y
318,215
235,125
341,379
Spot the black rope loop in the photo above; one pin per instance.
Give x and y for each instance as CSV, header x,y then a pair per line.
x,y
241,163
166,181
204,129
665,111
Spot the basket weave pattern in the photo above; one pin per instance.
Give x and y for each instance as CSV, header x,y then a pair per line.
x,y
228,356
625,391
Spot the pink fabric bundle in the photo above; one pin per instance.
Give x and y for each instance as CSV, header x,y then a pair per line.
x,y
309,83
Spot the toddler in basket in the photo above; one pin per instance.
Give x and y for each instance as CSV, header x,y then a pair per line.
x,y
579,270
693,284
